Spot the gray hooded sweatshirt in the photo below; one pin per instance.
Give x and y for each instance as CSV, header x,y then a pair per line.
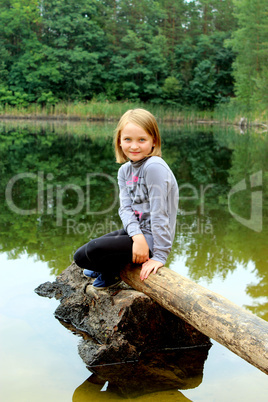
x,y
149,198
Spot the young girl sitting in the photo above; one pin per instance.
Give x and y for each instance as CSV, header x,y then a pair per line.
x,y
148,206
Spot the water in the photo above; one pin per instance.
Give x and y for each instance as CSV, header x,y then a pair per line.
x,y
57,189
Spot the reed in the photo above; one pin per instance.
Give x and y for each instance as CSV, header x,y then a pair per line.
x,y
232,113
94,110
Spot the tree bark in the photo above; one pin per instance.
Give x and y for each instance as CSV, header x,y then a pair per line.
x,y
239,330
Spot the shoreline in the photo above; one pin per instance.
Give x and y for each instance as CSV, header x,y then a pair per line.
x,y
228,115
79,119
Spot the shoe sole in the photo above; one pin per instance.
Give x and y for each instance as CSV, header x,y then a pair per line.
x,y
107,287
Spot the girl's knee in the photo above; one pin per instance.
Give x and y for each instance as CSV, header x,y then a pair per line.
x,y
80,257
76,258
93,246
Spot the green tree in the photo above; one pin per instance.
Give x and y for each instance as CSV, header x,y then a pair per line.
x,y
75,43
20,48
204,69
139,67
207,16
173,24
250,43
116,49
171,90
212,81
202,64
203,86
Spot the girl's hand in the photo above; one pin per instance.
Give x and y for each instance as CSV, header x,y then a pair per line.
x,y
148,267
140,249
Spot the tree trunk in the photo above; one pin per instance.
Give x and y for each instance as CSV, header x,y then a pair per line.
x,y
239,330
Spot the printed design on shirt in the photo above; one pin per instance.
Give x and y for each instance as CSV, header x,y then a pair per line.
x,y
137,189
138,214
134,179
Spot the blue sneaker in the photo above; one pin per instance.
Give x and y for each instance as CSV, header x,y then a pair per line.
x,y
106,282
90,274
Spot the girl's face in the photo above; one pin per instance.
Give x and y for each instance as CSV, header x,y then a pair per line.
x,y
135,142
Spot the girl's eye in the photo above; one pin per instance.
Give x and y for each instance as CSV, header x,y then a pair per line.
x,y
142,139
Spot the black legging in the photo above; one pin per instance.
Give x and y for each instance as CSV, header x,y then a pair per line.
x,y
107,254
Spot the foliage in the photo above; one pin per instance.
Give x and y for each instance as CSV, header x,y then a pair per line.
x,y
77,50
197,53
171,89
250,43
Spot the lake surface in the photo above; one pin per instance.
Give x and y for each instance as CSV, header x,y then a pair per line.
x,y
58,189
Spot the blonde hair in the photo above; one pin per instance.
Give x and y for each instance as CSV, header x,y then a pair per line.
x,y
147,122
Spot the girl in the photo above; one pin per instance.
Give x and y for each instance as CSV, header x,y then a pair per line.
x,y
148,206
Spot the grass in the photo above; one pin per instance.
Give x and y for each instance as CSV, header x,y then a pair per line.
x,y
97,111
106,111
233,113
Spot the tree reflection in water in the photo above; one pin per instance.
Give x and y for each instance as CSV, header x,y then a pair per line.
x,y
206,162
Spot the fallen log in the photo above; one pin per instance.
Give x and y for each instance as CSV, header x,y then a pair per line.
x,y
237,329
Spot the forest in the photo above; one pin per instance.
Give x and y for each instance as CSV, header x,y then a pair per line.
x,y
199,54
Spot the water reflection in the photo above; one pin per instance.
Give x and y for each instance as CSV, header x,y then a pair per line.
x,y
207,165
160,375
92,388
160,372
